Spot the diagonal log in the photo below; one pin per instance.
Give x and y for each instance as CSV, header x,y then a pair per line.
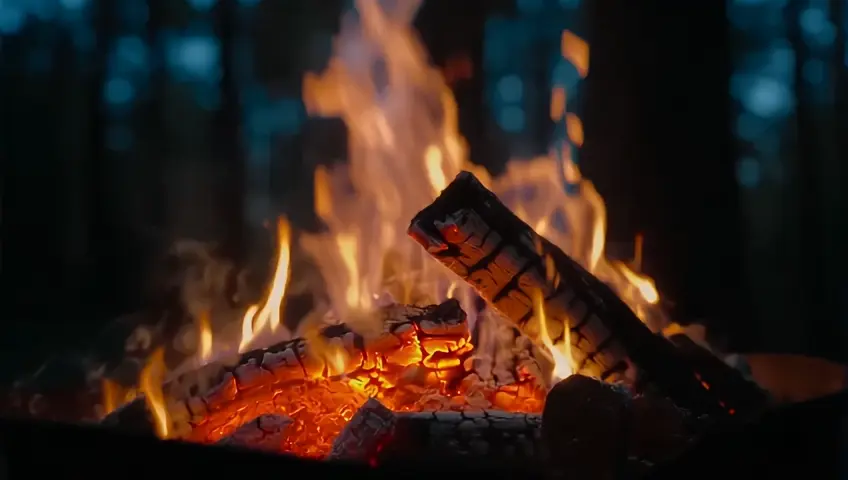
x,y
470,231
410,335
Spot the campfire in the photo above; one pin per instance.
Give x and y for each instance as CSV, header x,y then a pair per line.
x,y
399,358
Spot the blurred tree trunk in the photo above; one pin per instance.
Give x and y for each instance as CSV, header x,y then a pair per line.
x,y
816,218
105,277
838,175
227,152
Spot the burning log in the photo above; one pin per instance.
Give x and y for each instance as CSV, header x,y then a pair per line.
x,y
377,435
475,235
265,432
434,337
365,434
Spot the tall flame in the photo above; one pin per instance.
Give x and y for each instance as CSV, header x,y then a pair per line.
x,y
256,318
204,335
150,383
404,146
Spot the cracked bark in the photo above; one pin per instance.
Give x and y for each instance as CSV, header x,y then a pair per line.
x,y
470,231
377,435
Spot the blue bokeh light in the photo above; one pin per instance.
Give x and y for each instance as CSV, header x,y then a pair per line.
x,y
12,19
817,28
814,71
194,58
118,91
565,75
130,55
74,5
748,172
529,6
202,5
761,95
512,119
511,89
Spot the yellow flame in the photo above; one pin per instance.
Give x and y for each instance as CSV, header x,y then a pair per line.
x,y
561,354
150,384
356,297
111,394
433,163
451,290
247,327
204,335
270,314
404,146
645,285
323,197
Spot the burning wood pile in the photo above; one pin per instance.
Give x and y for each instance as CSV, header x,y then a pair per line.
x,y
586,385
411,390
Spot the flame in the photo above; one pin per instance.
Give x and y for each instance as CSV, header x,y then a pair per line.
x,y
433,163
111,396
561,351
256,319
644,284
150,384
404,147
204,335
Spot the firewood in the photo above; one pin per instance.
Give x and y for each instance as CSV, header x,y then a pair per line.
x,y
410,335
470,231
736,392
365,434
265,432
498,436
596,430
377,435
583,428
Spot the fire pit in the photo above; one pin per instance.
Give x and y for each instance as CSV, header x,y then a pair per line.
x,y
565,365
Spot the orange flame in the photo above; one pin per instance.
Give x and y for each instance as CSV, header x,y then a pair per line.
x,y
560,352
150,384
204,335
256,319
111,394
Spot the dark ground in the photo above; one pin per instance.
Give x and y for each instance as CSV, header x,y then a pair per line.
x,y
797,441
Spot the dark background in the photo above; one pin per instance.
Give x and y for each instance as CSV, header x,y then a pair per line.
x,y
743,216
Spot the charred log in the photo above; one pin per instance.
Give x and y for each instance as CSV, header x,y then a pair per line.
x,y
498,436
378,436
737,393
410,335
265,432
583,428
475,235
595,430
365,434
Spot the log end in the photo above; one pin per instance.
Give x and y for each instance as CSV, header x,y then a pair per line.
x,y
582,427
